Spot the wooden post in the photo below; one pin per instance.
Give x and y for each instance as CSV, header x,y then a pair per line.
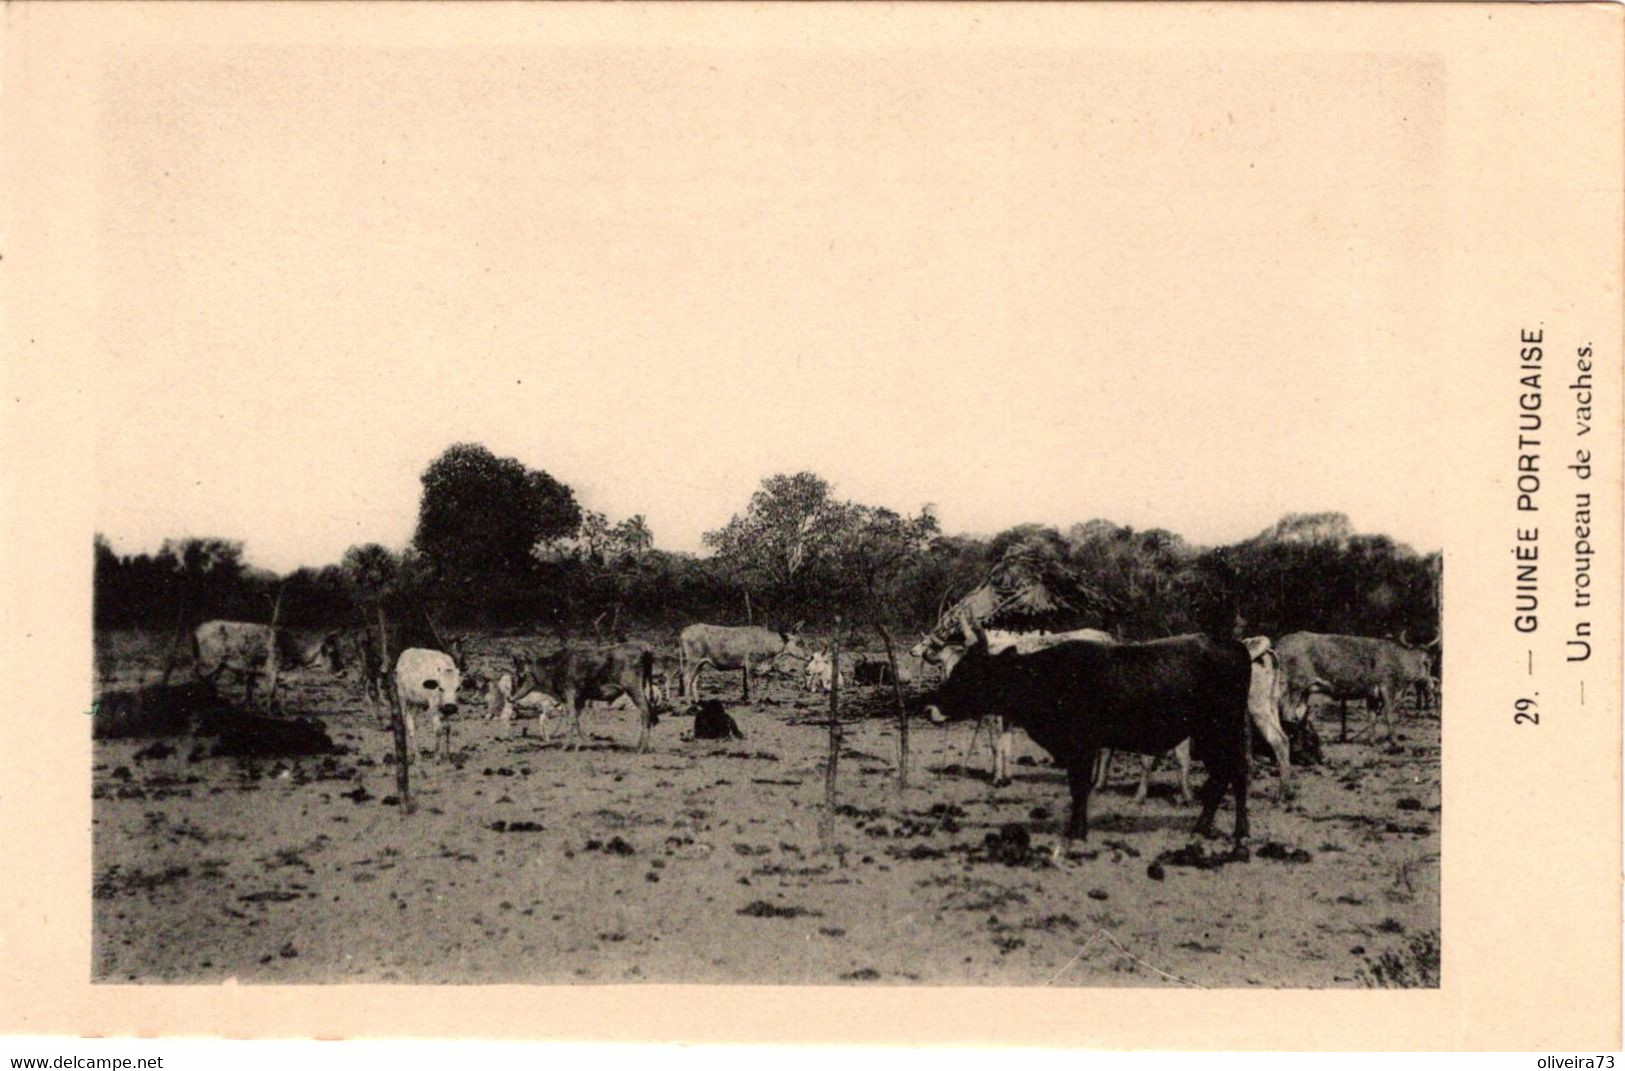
x,y
174,642
902,711
397,720
832,767
748,621
275,659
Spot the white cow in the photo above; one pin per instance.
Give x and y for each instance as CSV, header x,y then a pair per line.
x,y
427,680
821,672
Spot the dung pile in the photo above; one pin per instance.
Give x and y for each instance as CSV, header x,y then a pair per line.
x,y
243,733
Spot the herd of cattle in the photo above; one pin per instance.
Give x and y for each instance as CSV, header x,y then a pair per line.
x,y
1079,695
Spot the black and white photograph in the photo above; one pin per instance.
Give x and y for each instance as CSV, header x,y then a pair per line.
x,y
857,497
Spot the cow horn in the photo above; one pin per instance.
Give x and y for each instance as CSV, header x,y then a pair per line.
x,y
1405,637
966,629
1434,642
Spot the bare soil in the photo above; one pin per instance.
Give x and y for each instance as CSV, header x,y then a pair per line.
x,y
703,862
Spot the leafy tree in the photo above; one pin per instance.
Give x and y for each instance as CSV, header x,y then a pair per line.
x,y
783,540
372,572
481,517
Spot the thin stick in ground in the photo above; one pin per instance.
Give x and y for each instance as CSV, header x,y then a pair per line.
x,y
902,710
832,766
397,720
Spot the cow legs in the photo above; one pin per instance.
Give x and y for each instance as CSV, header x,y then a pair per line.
x,y
1241,771
691,680
646,717
745,669
1102,763
574,703
1077,822
442,736
1148,763
1211,792
1001,740
1182,758
1219,780
1271,731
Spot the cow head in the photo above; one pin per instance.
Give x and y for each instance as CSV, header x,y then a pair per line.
x,y
965,692
442,685
792,643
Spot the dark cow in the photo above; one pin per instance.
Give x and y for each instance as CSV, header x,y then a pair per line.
x,y
944,649
1349,667
243,649
1263,708
1076,698
733,648
712,722
576,674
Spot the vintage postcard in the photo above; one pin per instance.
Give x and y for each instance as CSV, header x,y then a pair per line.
x,y
522,521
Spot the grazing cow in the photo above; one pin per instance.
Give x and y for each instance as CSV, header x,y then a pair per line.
x,y
429,681
733,648
1348,667
712,722
574,675
939,649
1263,709
1074,699
244,650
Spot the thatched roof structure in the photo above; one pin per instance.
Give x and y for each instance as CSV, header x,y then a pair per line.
x,y
1015,595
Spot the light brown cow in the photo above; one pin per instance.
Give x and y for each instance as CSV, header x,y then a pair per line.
x,y
244,650
740,648
575,675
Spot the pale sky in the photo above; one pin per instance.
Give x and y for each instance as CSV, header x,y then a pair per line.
x,y
1025,284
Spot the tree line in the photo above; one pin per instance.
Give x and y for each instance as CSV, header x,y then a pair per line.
x,y
499,545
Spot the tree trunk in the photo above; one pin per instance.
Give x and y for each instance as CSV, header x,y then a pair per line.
x,y
397,719
902,711
832,766
748,620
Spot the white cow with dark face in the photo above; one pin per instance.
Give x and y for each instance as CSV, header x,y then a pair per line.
x,y
428,681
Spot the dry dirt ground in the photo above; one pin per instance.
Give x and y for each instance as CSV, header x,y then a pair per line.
x,y
702,861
